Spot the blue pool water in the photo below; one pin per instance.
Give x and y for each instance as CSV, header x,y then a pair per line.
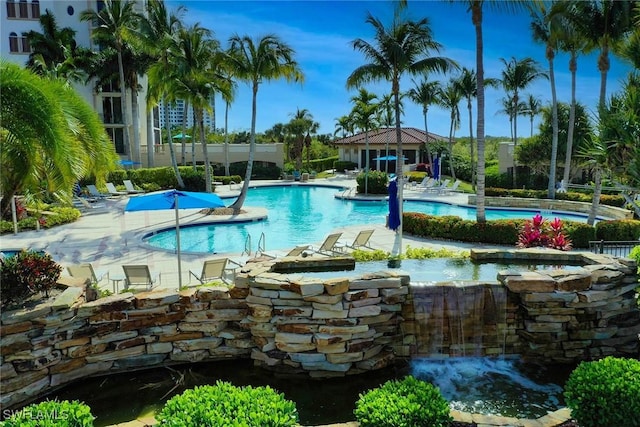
x,y
305,214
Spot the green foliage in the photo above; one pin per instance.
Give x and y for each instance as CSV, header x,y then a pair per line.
x,y
163,178
415,176
620,229
406,403
635,254
573,196
376,255
320,164
51,413
377,182
342,165
427,253
605,393
227,405
493,178
25,274
55,216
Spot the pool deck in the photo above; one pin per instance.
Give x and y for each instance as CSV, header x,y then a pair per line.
x,y
109,238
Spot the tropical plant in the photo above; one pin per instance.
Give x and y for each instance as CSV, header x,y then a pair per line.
x,y
516,76
301,124
256,61
49,138
386,118
450,98
426,94
364,116
25,274
110,25
51,413
344,126
538,233
533,107
402,48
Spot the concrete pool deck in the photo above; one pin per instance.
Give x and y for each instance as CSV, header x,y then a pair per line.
x,y
109,238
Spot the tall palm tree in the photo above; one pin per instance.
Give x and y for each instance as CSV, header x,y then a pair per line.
x,y
110,25
50,137
450,98
516,76
386,118
426,94
301,124
255,61
402,48
545,27
532,108
51,47
156,36
344,126
364,116
475,7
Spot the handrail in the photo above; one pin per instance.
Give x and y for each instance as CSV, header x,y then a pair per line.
x,y
616,248
247,245
261,244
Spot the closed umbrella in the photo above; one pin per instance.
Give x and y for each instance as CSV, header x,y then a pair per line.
x,y
394,211
174,199
436,168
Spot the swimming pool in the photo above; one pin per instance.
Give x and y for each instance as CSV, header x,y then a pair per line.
x,y
302,214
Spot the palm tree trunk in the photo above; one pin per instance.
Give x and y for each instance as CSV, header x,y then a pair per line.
x,y
473,170
252,149
150,138
554,139
205,152
451,168
226,140
135,114
603,66
386,154
366,161
123,101
572,121
597,191
515,137
397,244
183,141
426,140
476,16
172,152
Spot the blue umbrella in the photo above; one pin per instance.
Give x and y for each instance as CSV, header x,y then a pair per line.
x,y
389,158
394,211
174,199
180,136
128,163
436,168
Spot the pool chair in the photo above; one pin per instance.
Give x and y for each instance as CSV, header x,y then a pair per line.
x,y
114,191
86,271
330,245
361,240
216,269
85,204
94,192
426,183
439,188
139,275
452,189
295,252
130,188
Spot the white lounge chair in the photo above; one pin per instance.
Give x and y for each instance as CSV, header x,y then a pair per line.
x,y
213,269
86,271
130,188
426,183
139,275
439,188
295,252
94,192
361,240
114,191
452,189
330,245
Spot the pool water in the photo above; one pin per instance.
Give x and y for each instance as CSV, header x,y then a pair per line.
x,y
305,214
424,271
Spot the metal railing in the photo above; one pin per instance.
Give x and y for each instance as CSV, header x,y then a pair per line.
x,y
247,245
615,248
261,244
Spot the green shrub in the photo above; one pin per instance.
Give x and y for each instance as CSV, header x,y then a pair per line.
x,y
25,274
51,414
227,405
605,393
364,256
376,184
493,178
635,254
342,165
427,253
406,403
620,229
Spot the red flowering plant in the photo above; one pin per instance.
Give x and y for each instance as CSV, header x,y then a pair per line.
x,y
25,274
540,233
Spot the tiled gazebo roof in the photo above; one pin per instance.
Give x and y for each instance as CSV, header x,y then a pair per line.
x,y
379,136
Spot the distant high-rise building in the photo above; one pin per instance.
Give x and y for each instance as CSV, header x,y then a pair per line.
x,y
176,114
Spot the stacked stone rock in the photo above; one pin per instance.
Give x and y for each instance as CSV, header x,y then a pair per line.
x,y
52,344
324,327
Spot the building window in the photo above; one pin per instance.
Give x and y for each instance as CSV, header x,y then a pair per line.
x,y
70,11
35,9
26,48
13,42
24,9
11,9
112,110
117,137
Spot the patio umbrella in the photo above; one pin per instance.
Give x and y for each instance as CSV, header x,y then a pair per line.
x,y
436,168
180,136
389,158
128,163
394,211
174,199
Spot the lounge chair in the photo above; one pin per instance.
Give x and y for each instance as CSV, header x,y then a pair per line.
x,y
94,192
130,188
452,189
361,240
213,269
427,182
86,271
330,245
295,252
139,275
438,188
86,204
114,191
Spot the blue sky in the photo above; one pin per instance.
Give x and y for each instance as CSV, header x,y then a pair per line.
x,y
321,33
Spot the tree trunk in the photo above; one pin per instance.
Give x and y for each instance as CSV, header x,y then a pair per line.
x,y
426,140
123,100
572,121
397,244
476,11
150,138
237,205
473,170
135,115
554,139
597,191
515,137
183,142
451,167
603,67
366,161
172,152
226,140
205,152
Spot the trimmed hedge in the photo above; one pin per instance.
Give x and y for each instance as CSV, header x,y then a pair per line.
x,y
376,184
341,165
55,216
499,232
605,199
622,229
51,413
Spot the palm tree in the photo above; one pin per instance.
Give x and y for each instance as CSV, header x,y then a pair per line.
x,y
254,61
300,124
403,48
532,108
386,117
426,94
476,7
545,27
109,27
156,36
51,47
450,98
51,137
516,76
344,125
364,116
